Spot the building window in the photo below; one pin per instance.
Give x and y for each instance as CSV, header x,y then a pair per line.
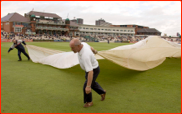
x,y
28,30
128,30
83,27
7,23
124,30
113,30
91,28
41,17
25,24
131,30
18,23
18,29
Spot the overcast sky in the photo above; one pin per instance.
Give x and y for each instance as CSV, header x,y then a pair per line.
x,y
165,16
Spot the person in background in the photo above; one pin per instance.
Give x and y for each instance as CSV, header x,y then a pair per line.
x,y
17,44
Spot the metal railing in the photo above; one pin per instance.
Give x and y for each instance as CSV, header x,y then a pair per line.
x,y
29,32
51,28
103,31
50,23
74,29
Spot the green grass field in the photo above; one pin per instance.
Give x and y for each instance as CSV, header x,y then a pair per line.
x,y
28,87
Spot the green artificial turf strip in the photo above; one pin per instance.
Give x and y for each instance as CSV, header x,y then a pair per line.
x,y
28,87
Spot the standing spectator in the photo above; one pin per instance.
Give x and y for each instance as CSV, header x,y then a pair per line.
x,y
108,40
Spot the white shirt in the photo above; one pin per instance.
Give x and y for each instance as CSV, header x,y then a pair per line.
x,y
17,43
86,58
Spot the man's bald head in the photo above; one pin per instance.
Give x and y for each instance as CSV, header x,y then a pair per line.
x,y
75,45
75,42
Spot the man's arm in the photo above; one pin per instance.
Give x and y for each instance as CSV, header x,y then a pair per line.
x,y
11,48
89,82
93,50
24,43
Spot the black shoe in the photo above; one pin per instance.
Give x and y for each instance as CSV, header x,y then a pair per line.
x,y
19,60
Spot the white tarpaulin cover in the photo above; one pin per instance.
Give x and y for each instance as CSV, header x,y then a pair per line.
x,y
141,56
55,58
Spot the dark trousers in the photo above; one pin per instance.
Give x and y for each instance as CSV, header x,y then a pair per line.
x,y
23,51
95,86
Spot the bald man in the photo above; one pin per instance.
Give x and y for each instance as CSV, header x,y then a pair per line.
x,y
90,65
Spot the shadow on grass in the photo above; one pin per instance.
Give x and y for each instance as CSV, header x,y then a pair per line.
x,y
109,72
112,73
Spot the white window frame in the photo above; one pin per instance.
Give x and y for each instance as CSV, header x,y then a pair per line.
x,y
18,29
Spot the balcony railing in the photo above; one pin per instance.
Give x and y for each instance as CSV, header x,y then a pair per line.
x,y
50,23
29,32
87,30
51,28
74,29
